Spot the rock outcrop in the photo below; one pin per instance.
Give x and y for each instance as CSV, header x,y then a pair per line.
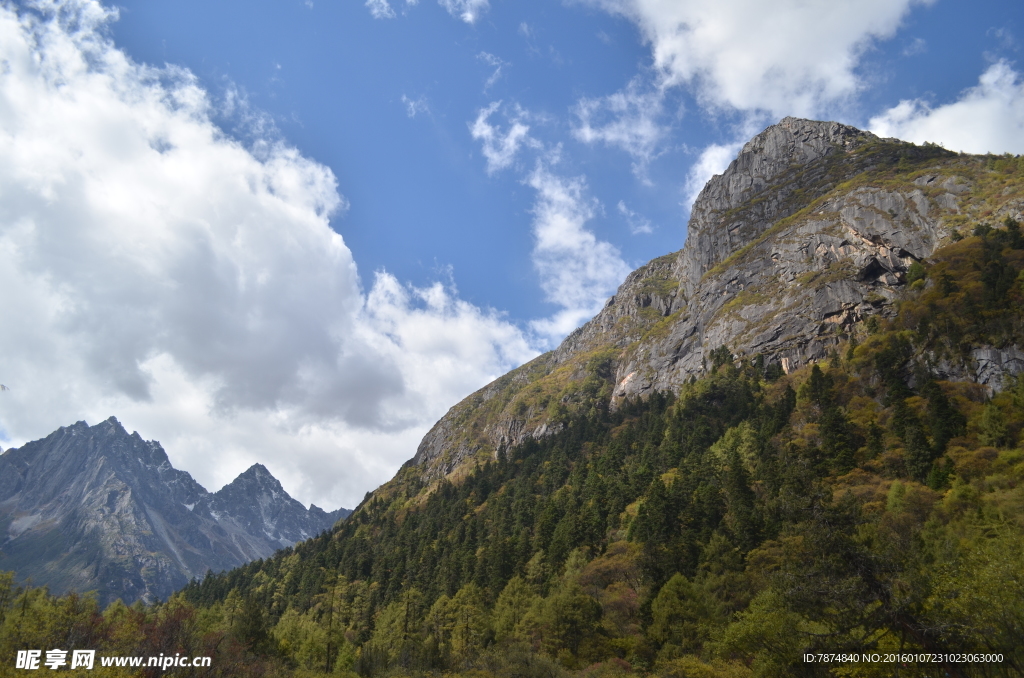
x,y
97,508
774,175
809,232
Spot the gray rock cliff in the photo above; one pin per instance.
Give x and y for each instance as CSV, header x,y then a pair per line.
x,y
772,169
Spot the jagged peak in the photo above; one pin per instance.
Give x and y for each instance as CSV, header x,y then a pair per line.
x,y
257,475
260,472
804,129
767,160
768,154
131,500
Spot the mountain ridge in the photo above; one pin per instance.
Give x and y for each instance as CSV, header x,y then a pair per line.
x,y
848,214
97,508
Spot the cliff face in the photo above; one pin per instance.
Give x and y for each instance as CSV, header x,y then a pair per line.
x,y
94,508
809,232
774,175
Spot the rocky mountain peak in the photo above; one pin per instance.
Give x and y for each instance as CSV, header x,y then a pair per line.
x,y
256,477
111,513
254,487
775,159
773,152
110,422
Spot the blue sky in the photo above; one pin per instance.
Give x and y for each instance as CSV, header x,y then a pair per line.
x,y
297,232
339,85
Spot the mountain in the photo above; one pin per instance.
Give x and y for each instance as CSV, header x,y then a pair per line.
x,y
809,232
97,508
799,435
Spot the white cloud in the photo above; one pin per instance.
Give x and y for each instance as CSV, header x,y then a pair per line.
x,y
414,107
627,119
713,160
987,118
158,270
1004,36
578,272
791,57
467,10
500,148
638,224
440,343
380,9
916,46
495,62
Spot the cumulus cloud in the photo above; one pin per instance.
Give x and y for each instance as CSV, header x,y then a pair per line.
x,y
159,270
467,10
440,343
578,272
627,119
500,148
792,57
987,118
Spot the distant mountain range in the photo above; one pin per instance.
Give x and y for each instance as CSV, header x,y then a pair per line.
x,y
96,508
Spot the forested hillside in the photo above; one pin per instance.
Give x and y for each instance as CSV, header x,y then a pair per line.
x,y
859,504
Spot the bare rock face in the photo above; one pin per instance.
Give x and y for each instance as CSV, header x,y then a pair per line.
x,y
809,232
770,169
793,296
96,508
